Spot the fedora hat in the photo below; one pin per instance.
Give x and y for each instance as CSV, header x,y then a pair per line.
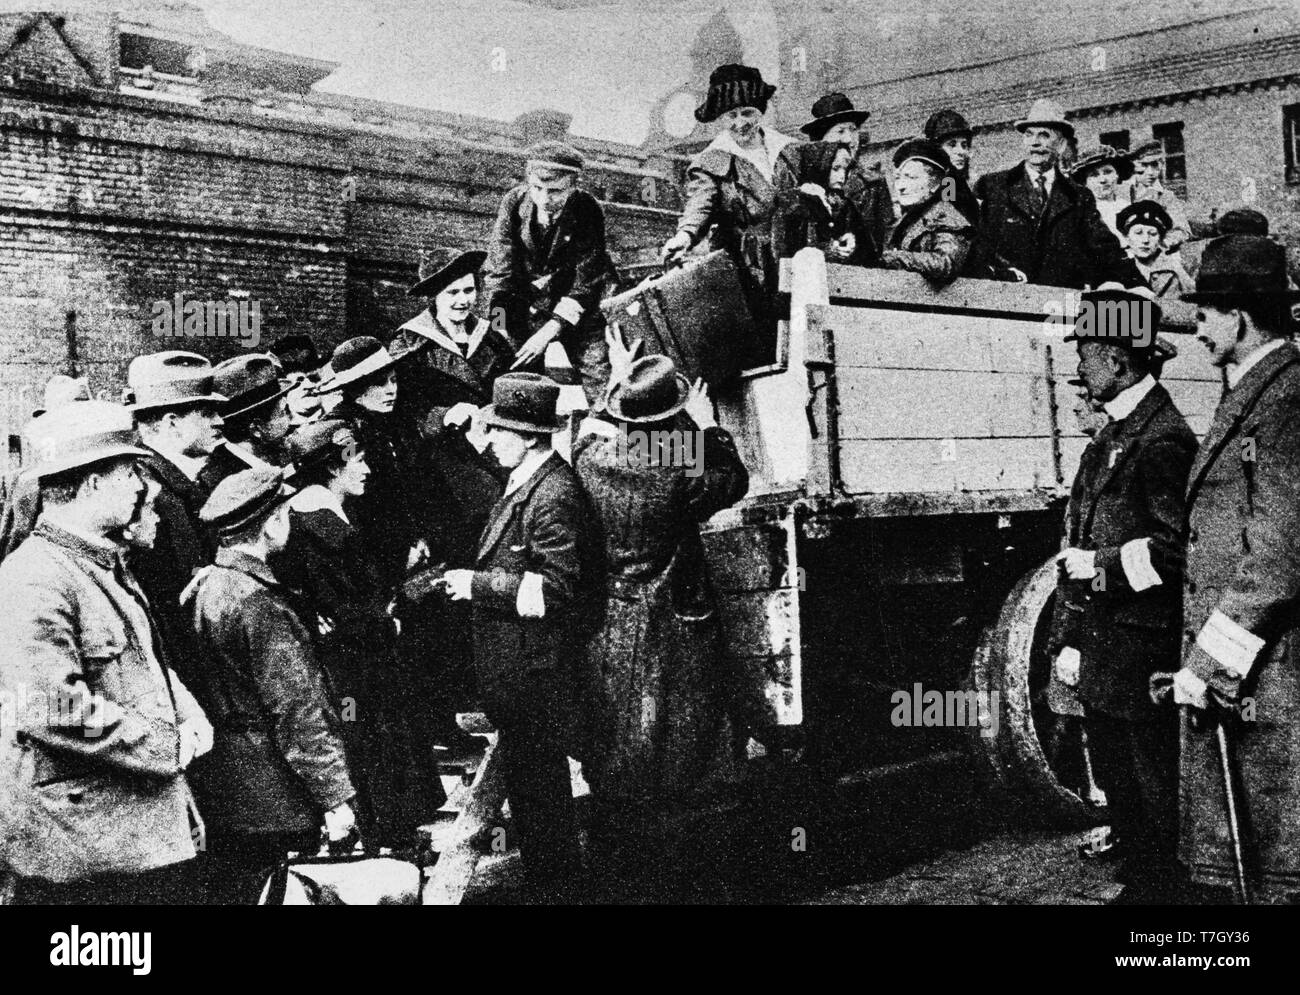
x,y
171,379
830,110
1144,212
62,389
354,360
733,86
249,383
1091,321
926,151
1242,266
524,402
1046,113
243,498
80,434
1241,221
442,266
653,390
946,123
1102,155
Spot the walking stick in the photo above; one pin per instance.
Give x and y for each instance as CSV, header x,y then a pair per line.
x,y
1234,824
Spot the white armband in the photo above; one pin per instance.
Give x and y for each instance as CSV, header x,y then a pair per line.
x,y
529,602
1135,557
1233,647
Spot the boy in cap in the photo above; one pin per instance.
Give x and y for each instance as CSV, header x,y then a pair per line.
x,y
94,804
548,266
176,413
1121,572
277,767
533,597
1144,226
1148,184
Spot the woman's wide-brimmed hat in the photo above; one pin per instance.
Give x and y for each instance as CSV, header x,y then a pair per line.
x,y
830,110
354,360
441,267
1048,114
1240,267
733,86
653,390
1102,155
524,402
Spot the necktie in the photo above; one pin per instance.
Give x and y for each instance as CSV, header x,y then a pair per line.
x,y
1040,193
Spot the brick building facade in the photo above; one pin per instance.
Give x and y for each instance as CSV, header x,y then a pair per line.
x,y
121,186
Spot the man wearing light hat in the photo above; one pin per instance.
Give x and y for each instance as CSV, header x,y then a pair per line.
x,y
1119,597
548,266
533,591
1241,640
278,768
177,415
255,417
97,731
1039,226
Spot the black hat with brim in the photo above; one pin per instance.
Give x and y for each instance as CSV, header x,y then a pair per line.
x,y
1096,306
830,110
442,267
524,402
733,86
1242,267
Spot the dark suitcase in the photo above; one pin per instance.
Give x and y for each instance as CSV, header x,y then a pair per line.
x,y
696,315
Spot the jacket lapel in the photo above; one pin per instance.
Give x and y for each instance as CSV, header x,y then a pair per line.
x,y
1018,193
509,504
1233,410
1119,447
1060,199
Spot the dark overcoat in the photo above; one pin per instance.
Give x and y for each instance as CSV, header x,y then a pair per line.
x,y
90,775
1243,581
1127,504
385,730
278,761
658,649
932,238
1068,246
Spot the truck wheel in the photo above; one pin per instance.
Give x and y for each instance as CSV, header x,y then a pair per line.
x,y
1035,758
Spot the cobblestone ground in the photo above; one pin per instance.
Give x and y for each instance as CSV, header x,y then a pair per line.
x,y
1011,869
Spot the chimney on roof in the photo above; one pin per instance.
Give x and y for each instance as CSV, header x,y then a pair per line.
x,y
542,125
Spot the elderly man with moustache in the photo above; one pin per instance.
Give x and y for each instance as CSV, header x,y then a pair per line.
x,y
1039,226
94,804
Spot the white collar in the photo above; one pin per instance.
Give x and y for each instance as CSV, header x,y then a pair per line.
x,y
1048,175
762,157
188,465
1123,404
318,497
1239,370
520,474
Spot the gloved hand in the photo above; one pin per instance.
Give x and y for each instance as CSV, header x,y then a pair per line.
x,y
1067,666
339,822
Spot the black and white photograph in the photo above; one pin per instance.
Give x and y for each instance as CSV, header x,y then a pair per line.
x,y
652,453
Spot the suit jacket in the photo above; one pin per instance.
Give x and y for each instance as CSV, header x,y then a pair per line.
x,y
1243,584
1069,246
277,762
1127,504
183,545
542,528
575,265
90,775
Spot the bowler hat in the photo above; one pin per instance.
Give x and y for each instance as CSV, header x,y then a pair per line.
x,y
557,156
249,382
81,434
243,498
1144,212
354,360
830,110
733,86
926,151
1242,266
524,402
946,124
1124,316
1241,221
170,379
651,391
441,267
1101,155
1046,113
62,389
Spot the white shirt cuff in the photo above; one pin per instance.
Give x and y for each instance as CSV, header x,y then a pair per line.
x,y
529,601
1234,648
568,309
1135,557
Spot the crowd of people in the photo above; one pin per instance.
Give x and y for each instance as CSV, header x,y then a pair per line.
x,y
250,600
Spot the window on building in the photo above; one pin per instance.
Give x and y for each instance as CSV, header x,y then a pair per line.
x,y
1291,140
1115,139
159,54
1170,136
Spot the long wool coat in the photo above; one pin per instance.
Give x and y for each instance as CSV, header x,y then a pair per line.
x,y
658,649
1243,583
